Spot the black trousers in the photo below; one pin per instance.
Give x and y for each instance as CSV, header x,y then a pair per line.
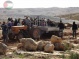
x,y
74,33
5,36
61,33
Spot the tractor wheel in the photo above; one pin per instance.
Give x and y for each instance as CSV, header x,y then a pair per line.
x,y
19,36
11,36
36,33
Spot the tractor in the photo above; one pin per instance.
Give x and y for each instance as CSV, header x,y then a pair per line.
x,y
35,32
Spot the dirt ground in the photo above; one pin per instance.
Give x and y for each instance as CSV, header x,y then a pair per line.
x,y
12,47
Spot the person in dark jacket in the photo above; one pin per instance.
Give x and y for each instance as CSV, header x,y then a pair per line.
x,y
15,22
61,28
74,28
4,32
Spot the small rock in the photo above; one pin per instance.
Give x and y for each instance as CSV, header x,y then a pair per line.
x,y
20,52
9,54
13,48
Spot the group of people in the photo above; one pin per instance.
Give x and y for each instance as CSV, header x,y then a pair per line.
x,y
6,26
62,26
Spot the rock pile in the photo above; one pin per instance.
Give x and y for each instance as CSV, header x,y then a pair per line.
x,y
55,42
59,45
31,45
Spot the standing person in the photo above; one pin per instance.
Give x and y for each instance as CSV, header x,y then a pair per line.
x,y
23,22
19,22
74,28
61,28
32,21
9,24
28,21
4,32
15,22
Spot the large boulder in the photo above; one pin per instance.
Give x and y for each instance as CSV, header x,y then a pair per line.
x,y
41,45
63,46
28,44
49,48
55,39
3,48
59,47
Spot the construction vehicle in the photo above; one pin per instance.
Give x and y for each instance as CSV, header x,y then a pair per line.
x,y
35,31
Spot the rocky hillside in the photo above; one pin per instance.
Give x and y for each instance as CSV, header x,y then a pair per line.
x,y
20,12
74,16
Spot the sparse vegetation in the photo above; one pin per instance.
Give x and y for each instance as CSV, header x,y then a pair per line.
x,y
71,56
6,58
21,55
74,56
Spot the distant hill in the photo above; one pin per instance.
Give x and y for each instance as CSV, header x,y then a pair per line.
x,y
18,12
74,16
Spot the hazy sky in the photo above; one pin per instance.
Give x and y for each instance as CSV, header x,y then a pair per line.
x,y
42,3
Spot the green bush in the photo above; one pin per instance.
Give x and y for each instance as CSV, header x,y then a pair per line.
x,y
74,56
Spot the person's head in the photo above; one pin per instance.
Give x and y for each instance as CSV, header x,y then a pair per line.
x,y
3,22
60,21
26,17
24,20
19,19
8,19
73,22
15,19
48,20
